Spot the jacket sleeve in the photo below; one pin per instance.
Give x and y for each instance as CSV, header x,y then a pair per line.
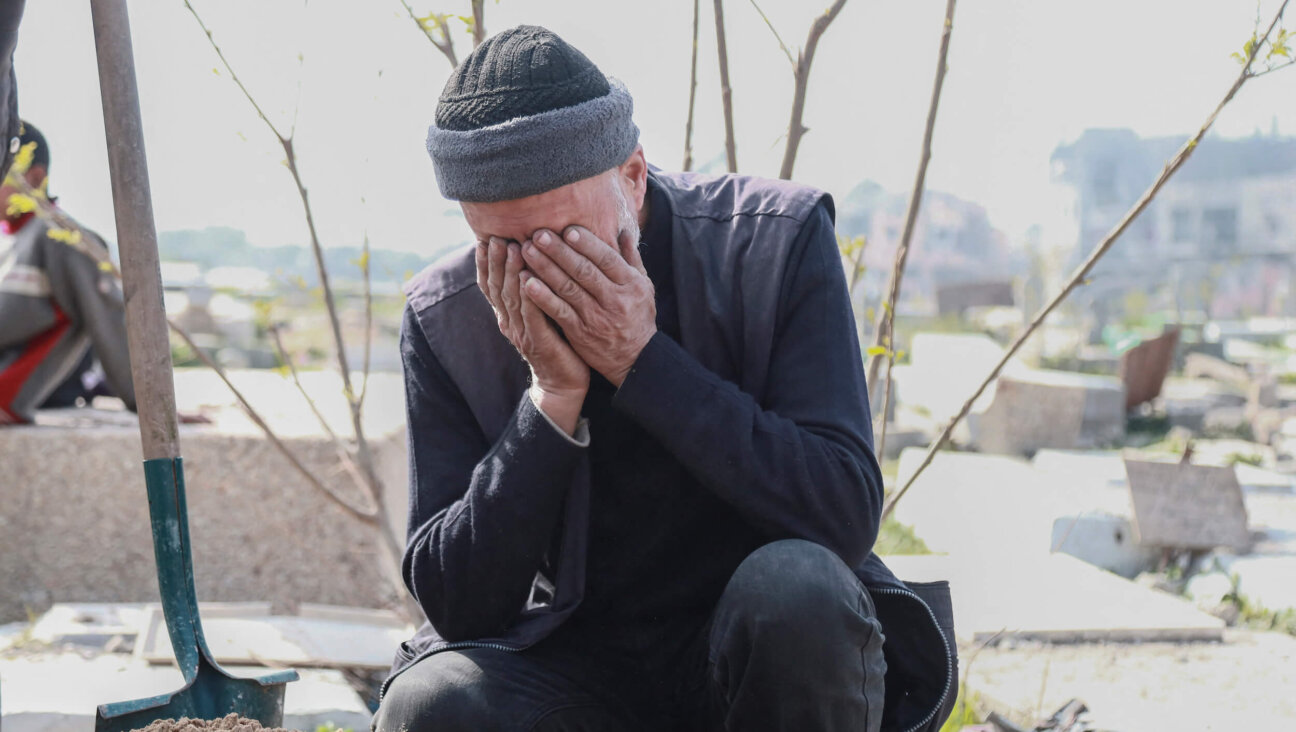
x,y
482,515
93,301
799,462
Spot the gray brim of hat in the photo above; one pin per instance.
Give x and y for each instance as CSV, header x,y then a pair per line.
x,y
529,155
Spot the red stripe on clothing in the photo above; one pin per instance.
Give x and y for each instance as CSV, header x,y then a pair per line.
x,y
13,378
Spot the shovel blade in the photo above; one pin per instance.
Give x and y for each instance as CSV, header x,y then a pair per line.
x,y
211,695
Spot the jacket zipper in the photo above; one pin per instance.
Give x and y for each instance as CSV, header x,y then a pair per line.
x,y
447,647
949,670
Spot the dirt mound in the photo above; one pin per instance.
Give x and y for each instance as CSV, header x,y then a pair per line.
x,y
228,723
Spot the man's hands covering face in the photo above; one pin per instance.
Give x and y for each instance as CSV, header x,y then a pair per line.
x,y
559,378
601,297
598,294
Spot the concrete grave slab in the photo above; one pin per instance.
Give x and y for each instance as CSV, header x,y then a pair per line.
x,y
1242,683
992,505
258,528
1039,408
1186,506
337,639
1055,598
933,383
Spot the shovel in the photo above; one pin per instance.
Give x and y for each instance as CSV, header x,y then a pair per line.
x,y
209,691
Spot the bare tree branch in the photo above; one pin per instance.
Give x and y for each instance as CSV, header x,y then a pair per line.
x,y
230,69
801,74
479,22
882,333
330,302
446,43
389,545
726,92
688,126
367,516
777,37
1082,272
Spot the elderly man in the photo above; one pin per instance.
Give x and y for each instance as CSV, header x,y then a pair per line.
x,y
643,493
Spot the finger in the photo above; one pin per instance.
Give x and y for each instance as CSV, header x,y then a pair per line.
x,y
483,268
603,255
554,276
580,268
533,318
629,246
495,276
510,293
550,304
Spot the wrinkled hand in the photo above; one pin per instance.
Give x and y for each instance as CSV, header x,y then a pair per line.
x,y
559,378
599,294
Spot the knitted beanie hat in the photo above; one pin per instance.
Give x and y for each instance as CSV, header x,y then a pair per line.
x,y
526,113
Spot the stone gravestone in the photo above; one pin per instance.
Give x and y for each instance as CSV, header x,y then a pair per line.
x,y
1187,506
1144,367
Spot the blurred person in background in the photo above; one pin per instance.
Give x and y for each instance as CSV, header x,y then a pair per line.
x,y
60,311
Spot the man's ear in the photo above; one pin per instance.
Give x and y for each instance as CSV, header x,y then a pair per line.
x,y
634,176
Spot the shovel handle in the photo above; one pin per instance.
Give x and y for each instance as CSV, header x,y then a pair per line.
x,y
146,325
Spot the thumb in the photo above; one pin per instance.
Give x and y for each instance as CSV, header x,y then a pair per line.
x,y
629,247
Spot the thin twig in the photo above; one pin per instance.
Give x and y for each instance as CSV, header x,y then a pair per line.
x,y
1271,69
882,333
230,69
286,360
688,125
330,301
446,44
344,454
301,71
967,669
290,160
886,407
801,74
369,321
388,543
1081,273
726,91
369,517
857,267
777,37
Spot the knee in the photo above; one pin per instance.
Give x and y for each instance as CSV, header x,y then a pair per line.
x,y
796,581
441,690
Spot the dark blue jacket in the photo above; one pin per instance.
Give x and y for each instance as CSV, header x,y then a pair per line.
x,y
762,399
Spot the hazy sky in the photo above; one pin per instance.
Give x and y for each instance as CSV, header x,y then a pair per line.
x,y
1025,75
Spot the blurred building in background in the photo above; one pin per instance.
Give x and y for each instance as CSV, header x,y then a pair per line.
x,y
1219,242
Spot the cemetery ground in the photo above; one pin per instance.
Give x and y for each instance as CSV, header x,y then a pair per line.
x,y
1033,514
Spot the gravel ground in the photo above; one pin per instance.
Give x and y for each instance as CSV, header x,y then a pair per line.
x,y
1247,682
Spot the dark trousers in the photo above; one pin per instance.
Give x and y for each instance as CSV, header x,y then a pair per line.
x,y
793,644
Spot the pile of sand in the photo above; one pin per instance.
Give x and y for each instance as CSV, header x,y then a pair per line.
x,y
228,723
